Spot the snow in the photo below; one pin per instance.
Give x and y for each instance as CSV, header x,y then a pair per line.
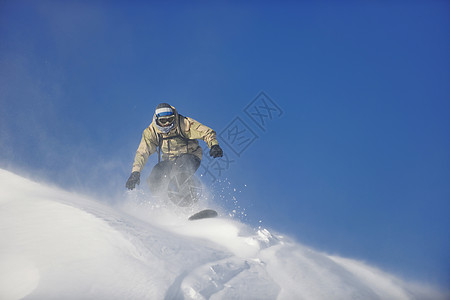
x,y
59,245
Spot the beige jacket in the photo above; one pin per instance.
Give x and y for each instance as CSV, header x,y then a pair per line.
x,y
173,143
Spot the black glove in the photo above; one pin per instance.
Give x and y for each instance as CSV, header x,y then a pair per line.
x,y
135,178
216,151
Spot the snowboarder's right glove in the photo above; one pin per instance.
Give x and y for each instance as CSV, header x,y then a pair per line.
x,y
216,151
135,178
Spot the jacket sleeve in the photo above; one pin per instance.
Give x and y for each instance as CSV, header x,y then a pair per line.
x,y
146,148
196,130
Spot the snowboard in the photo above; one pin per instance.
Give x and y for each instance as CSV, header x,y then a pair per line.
x,y
206,213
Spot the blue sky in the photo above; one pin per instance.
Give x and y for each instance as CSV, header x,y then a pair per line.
x,y
357,163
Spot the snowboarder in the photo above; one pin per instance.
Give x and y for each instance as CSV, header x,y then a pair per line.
x,y
175,138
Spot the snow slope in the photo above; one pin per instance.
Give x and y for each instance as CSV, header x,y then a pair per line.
x,y
59,245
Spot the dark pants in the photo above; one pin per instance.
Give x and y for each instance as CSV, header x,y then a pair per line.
x,y
163,171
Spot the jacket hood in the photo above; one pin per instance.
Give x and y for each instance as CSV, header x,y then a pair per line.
x,y
175,124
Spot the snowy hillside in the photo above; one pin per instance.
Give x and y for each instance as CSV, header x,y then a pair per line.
x,y
59,245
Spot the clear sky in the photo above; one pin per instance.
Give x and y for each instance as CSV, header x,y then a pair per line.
x,y
353,159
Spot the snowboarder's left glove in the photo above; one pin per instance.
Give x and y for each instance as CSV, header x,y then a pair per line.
x,y
216,151
135,178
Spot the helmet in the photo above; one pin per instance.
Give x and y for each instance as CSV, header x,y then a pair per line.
x,y
165,117
163,109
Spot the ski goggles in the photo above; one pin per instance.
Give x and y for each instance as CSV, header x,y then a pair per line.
x,y
166,120
164,112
